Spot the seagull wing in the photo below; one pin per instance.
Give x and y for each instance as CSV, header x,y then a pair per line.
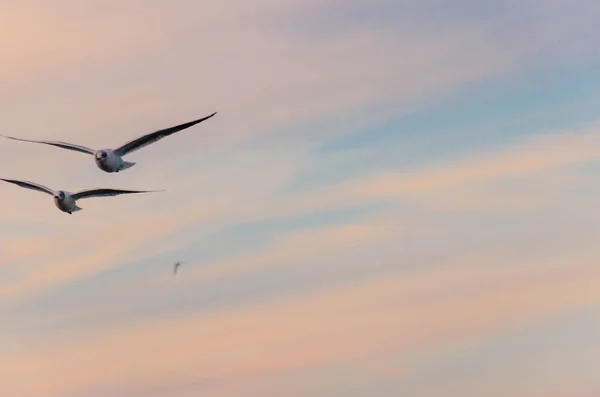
x,y
30,185
155,136
63,145
106,193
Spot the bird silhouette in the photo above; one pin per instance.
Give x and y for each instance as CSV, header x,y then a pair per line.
x,y
176,266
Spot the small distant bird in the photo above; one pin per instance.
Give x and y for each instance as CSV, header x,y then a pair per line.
x,y
66,201
110,160
176,266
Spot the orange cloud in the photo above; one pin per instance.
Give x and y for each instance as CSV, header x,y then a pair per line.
x,y
302,245
436,308
88,249
41,40
531,157
225,209
273,80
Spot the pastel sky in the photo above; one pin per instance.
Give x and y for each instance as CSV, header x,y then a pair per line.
x,y
396,198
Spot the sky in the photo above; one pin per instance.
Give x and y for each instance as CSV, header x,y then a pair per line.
x,y
394,198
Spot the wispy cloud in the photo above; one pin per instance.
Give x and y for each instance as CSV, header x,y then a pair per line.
x,y
442,185
390,192
435,308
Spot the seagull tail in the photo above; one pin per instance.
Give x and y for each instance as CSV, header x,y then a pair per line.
x,y
77,208
126,164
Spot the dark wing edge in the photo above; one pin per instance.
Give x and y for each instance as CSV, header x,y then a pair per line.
x,y
30,185
155,136
107,193
62,145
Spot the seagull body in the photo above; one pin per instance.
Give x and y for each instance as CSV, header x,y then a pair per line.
x,y
66,201
111,160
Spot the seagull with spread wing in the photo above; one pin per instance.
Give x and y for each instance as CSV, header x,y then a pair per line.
x,y
66,201
111,160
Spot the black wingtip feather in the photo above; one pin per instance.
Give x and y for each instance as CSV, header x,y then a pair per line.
x,y
145,140
202,119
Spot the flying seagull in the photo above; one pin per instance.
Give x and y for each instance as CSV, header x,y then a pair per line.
x,y
111,160
66,201
176,266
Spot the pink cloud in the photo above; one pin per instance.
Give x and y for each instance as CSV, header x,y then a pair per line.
x,y
224,209
425,310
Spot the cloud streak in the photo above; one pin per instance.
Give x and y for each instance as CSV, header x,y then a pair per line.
x,y
315,271
439,307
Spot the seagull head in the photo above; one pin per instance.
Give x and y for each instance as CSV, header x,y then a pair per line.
x,y
60,195
101,155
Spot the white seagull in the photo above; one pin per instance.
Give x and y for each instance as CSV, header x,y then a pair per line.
x,y
66,201
111,160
